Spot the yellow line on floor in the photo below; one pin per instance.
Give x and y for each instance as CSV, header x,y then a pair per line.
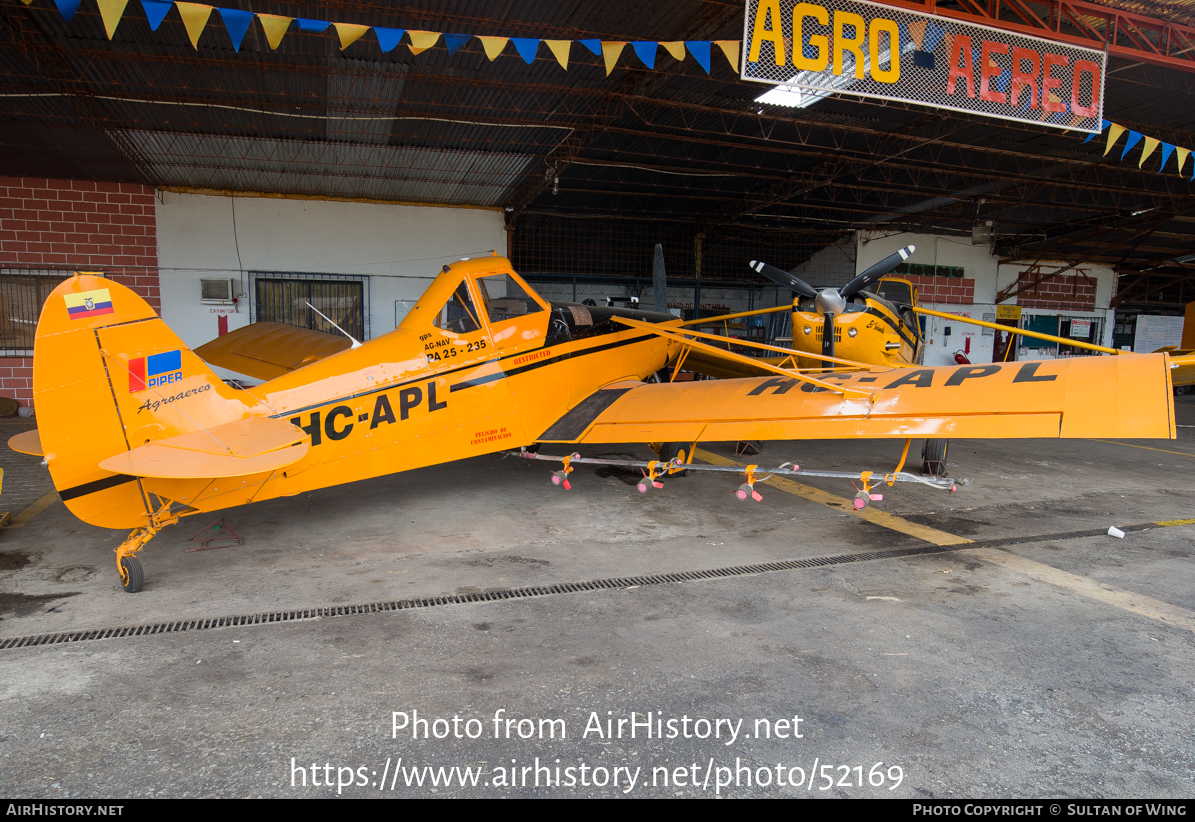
x,y
1146,447
34,508
873,515
1139,604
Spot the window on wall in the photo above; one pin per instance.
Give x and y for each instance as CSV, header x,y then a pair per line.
x,y
285,298
23,292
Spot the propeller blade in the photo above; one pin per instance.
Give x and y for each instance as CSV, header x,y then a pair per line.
x,y
782,277
828,339
875,272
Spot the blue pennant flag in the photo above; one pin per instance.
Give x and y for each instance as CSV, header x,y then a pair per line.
x,y
387,38
1167,150
933,36
1103,125
1134,139
700,49
455,41
156,11
314,26
526,47
67,8
237,22
646,52
593,45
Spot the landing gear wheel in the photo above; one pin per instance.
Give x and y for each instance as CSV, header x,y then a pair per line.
x,y
133,577
933,457
675,451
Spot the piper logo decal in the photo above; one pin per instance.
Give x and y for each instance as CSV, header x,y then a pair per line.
x,y
155,370
88,304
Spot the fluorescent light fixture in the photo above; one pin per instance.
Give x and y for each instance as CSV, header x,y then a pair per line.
x,y
807,87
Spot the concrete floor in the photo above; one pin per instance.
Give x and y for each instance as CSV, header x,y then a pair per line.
x,y
1061,667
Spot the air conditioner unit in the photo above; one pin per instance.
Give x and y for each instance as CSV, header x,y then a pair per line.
x,y
216,292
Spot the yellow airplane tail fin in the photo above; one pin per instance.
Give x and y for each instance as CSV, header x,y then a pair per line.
x,y
108,377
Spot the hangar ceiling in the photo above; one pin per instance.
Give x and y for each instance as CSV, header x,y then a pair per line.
x,y
582,161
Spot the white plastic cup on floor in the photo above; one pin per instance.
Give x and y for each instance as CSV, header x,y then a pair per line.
x,y
1115,532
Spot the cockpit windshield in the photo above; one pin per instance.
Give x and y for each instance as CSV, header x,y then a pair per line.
x,y
895,291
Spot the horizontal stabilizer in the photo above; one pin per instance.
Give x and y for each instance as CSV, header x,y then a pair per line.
x,y
27,442
249,446
267,350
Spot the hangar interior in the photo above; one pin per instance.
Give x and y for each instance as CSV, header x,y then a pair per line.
x,y
225,187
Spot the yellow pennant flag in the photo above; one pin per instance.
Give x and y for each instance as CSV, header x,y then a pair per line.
x,y
421,41
349,33
560,49
26,2
1182,157
1114,132
676,48
1148,149
731,49
195,17
493,45
110,11
274,27
610,53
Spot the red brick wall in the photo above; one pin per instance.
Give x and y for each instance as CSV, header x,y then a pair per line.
x,y
957,290
1063,293
76,225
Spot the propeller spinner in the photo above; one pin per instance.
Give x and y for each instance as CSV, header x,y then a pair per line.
x,y
830,302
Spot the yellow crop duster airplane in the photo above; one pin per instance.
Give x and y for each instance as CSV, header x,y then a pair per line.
x,y
138,431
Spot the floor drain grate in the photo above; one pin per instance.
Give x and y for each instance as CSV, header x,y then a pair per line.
x,y
178,626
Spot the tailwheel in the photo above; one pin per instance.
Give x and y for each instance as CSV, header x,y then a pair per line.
x,y
933,457
131,575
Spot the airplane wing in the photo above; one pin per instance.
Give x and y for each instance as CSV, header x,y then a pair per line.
x,y
235,449
267,350
1125,396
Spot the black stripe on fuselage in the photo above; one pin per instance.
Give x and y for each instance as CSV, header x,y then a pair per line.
x,y
481,380
95,486
876,312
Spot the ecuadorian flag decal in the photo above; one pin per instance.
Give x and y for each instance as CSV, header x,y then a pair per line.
x,y
155,370
88,304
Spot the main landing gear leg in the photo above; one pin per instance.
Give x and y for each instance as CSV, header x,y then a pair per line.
x,y
131,575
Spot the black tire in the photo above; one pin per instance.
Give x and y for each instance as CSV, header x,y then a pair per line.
x,y
132,567
933,457
674,450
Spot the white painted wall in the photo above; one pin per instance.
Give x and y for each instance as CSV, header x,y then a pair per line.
x,y
400,248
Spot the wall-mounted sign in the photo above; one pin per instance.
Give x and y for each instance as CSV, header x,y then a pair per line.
x,y
1008,312
812,50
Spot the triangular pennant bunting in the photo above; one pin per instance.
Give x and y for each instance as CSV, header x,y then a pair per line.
x,y
237,22
700,49
195,17
493,45
1147,149
349,33
1134,139
646,50
676,48
560,50
421,41
526,47
388,38
1167,150
593,45
917,32
111,12
311,26
67,8
156,11
274,27
1182,158
1114,132
455,41
610,53
731,49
